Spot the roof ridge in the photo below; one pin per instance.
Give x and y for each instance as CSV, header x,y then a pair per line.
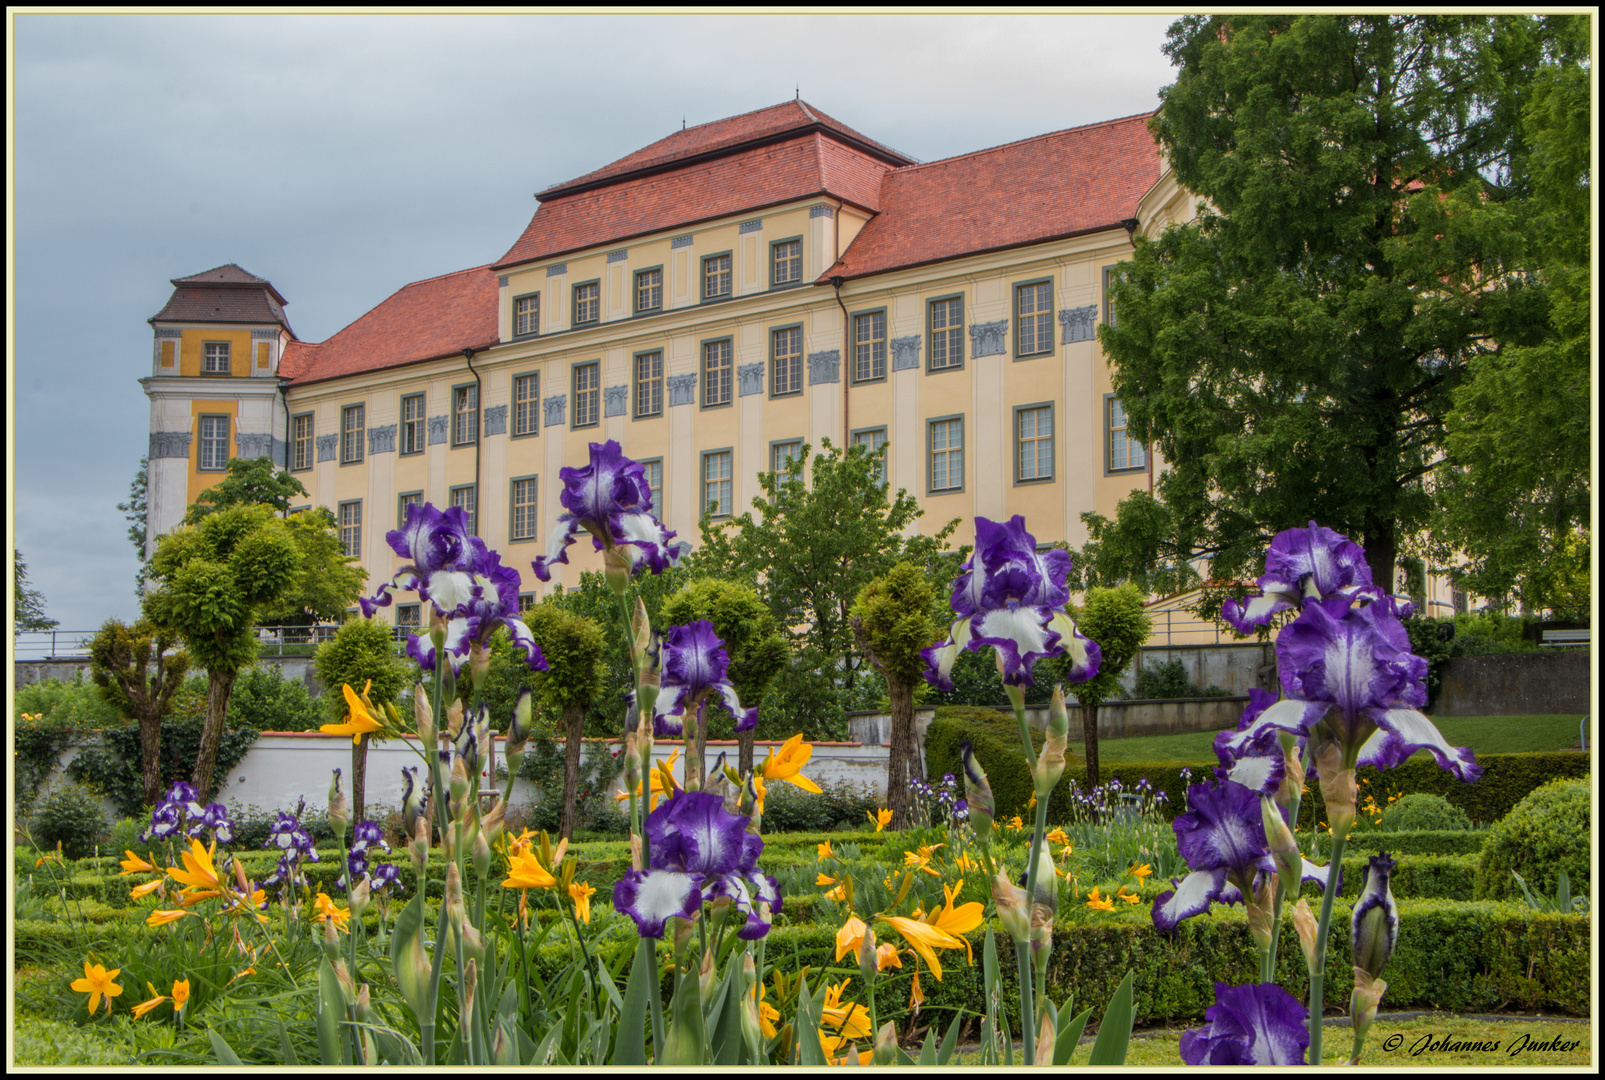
x,y
440,277
899,169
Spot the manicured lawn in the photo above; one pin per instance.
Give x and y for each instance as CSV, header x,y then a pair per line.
x,y
1484,734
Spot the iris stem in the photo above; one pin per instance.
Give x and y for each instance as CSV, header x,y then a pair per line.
x,y
437,795
1027,1017
1318,976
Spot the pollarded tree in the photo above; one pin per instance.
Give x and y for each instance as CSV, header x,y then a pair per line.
x,y
752,640
576,650
138,671
215,579
894,618
1116,620
360,652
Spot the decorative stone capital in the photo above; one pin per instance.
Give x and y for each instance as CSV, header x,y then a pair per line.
x,y
751,376
438,427
253,446
618,256
683,389
328,447
988,339
755,225
821,211
824,367
615,400
906,352
496,420
169,444
557,270
382,440
1077,324
556,409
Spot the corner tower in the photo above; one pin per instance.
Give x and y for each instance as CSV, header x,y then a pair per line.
x,y
213,387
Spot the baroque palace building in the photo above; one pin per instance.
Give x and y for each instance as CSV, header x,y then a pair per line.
x,y
712,301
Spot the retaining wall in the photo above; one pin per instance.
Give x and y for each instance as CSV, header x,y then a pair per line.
x,y
1522,684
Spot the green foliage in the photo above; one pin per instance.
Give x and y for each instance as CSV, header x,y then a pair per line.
x,y
1169,679
250,482
1293,353
27,603
121,657
758,651
1420,812
1545,833
359,651
806,698
1116,620
900,614
44,1043
264,700
330,581
76,704
38,745
598,810
995,737
840,807
133,512
111,765
71,816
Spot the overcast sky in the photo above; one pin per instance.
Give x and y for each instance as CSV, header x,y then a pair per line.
x,y
342,156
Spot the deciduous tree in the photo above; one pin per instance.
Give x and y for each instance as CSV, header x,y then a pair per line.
x,y
139,669
575,651
360,652
28,603
1116,620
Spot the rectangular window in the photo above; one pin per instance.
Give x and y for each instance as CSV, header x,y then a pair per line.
x,y
409,618
785,262
1108,303
946,319
527,315
1033,440
875,439
947,454
526,601
351,529
587,302
786,362
214,443
649,384
301,443
217,358
413,424
718,371
648,291
654,483
1124,452
467,497
1033,318
526,404
717,496
353,433
525,523
715,277
464,415
869,347
404,500
587,394
785,458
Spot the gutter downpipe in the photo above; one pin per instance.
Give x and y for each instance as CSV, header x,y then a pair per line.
x,y
847,382
284,399
1131,225
479,432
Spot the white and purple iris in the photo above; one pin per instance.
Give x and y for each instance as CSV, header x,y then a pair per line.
x,y
179,808
694,666
610,499
1012,596
1301,564
700,852
1256,1024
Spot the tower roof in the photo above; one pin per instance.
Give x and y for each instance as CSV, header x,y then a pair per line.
x,y
224,294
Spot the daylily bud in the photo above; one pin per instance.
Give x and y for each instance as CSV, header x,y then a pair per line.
x,y
1012,912
1363,1004
423,717
977,794
1376,918
1339,788
359,898
339,817
885,1045
1284,849
1304,923
868,962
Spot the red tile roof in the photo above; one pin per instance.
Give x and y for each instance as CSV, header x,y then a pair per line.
x,y
423,321
223,294
723,135
1067,182
745,180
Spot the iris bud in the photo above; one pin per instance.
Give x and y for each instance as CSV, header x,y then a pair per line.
x,y
494,821
480,852
640,630
885,1045
339,816
418,843
977,794
1284,849
331,941
1339,788
1304,924
868,962
1011,904
359,898
1376,918
412,800
423,717
470,986
501,1049
1363,1004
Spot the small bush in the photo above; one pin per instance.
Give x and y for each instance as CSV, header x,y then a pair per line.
x,y
1423,812
995,737
77,703
1547,832
71,816
840,806
264,700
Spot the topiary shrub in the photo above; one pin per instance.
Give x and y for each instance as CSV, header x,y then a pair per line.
x,y
71,816
996,739
1547,831
264,700
839,806
1421,812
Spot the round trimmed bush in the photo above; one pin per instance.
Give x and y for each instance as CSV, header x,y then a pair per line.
x,y
1544,833
70,815
1422,812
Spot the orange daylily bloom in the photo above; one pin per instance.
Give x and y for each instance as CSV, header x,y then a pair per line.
x,y
787,764
663,782
162,918
1139,872
144,890
134,864
524,871
581,893
1099,903
1057,836
964,862
849,937
879,818
146,1006
199,870
916,996
840,1021
97,981
326,909
925,940
359,721
180,994
886,956
825,851
960,919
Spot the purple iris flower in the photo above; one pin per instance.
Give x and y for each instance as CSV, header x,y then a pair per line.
x,y
368,834
215,818
356,866
444,558
610,499
700,851
1011,596
387,876
497,605
282,832
1257,762
1301,564
1256,1024
164,822
1349,677
694,664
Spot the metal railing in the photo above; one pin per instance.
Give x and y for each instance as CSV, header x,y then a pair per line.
x,y
43,645
51,644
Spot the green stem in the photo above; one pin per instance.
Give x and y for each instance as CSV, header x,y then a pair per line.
x,y
437,795
1318,976
1027,1016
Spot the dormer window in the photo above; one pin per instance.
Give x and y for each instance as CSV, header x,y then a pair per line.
x,y
217,358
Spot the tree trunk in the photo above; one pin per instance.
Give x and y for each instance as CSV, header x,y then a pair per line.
x,y
744,741
359,777
1381,551
574,731
1089,734
150,757
218,686
902,761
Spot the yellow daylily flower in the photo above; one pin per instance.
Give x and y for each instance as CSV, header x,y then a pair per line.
x,y
134,864
824,879
1139,872
838,894
199,871
190,897
162,918
825,851
524,871
1057,836
97,981
759,790
146,1006
1099,903
886,956
843,1021
180,994
849,937
767,1013
242,974
325,909
879,818
787,764
959,919
144,890
359,721
925,940
581,894
964,862
1016,823
658,784
921,859
916,996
